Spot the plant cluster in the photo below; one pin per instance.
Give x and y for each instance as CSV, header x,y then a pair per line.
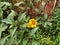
x,y
29,23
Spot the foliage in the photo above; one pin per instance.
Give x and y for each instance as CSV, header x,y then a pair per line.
x,y
13,30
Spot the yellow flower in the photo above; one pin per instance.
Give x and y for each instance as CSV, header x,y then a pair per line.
x,y
32,23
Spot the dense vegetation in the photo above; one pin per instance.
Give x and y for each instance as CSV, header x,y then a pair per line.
x,y
28,23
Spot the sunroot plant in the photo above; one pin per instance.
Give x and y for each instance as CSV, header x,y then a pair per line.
x,y
30,22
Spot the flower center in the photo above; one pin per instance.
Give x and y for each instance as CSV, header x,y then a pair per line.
x,y
33,22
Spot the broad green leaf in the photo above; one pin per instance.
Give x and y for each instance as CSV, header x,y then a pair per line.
x,y
5,3
59,43
20,35
12,31
23,26
29,43
37,0
10,41
38,11
22,17
43,3
1,14
42,8
10,18
1,4
47,24
11,15
2,28
3,40
7,21
35,43
59,36
4,8
11,26
24,42
37,18
33,31
45,16
27,19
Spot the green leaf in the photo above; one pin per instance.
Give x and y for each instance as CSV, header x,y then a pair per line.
x,y
1,14
10,41
43,3
10,18
3,40
2,28
37,10
35,43
1,4
12,14
22,17
27,19
42,8
45,16
59,36
4,8
24,42
59,43
23,26
5,3
47,24
12,31
7,21
33,31
36,0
